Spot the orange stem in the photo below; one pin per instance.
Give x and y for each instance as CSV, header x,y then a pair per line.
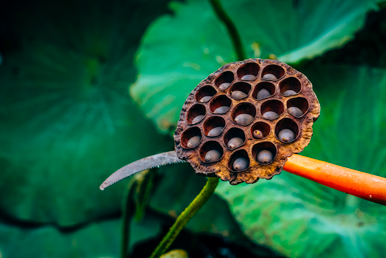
x,y
362,185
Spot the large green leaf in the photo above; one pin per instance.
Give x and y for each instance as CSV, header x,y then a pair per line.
x,y
179,51
101,239
67,121
300,218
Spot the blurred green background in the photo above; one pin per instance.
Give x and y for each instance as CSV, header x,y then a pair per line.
x,y
89,86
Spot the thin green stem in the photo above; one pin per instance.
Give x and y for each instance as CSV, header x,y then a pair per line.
x,y
186,215
128,212
232,30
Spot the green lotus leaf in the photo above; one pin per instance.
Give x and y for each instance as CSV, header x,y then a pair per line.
x,y
99,239
180,50
300,218
67,121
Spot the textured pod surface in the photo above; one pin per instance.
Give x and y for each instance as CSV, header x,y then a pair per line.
x,y
234,76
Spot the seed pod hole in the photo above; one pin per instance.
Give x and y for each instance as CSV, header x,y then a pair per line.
x,y
205,94
240,90
248,71
243,114
224,80
214,126
263,90
260,130
290,86
297,106
211,151
272,109
220,104
289,124
195,114
234,138
191,138
272,72
264,152
239,161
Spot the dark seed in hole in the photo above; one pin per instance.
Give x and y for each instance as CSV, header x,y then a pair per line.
x,y
248,77
264,156
269,77
286,135
193,142
244,119
221,110
205,99
257,134
212,156
197,119
289,93
215,131
295,111
240,164
238,94
270,115
262,94
235,142
224,86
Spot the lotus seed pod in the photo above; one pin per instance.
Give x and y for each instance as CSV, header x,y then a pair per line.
x,y
197,119
235,142
286,135
262,94
295,111
257,134
288,93
221,110
238,95
252,127
244,119
205,99
248,77
269,77
270,115
240,164
224,86
193,142
212,156
264,156
215,131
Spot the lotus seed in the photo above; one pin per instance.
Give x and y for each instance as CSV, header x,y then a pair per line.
x,y
240,164
295,111
221,110
262,94
286,135
235,142
289,93
257,134
270,115
248,77
224,85
264,156
197,119
238,94
244,119
269,77
215,131
205,98
194,141
212,156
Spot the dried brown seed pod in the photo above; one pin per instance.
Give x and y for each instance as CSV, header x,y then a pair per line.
x,y
261,149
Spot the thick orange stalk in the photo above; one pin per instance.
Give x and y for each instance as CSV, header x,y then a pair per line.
x,y
363,185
